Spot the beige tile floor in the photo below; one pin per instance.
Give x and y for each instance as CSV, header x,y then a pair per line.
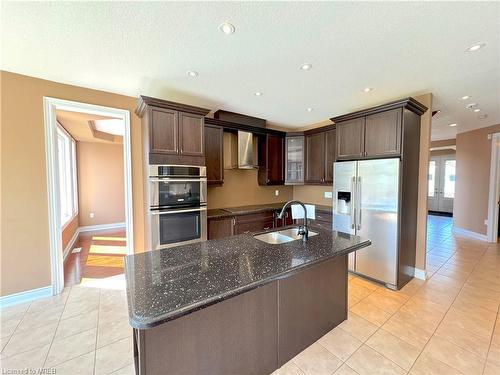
x,y
446,325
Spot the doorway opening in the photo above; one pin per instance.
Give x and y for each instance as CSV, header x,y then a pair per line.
x,y
90,194
441,190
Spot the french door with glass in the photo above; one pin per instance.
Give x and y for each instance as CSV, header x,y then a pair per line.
x,y
441,181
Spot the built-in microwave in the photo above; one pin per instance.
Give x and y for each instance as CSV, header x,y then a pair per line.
x,y
174,227
177,186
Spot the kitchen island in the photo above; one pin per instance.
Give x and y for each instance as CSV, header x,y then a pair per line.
x,y
235,305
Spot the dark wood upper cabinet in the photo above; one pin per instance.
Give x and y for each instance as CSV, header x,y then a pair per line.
x,y
320,155
294,159
351,139
330,144
163,131
214,154
191,130
271,160
383,134
374,132
172,132
315,158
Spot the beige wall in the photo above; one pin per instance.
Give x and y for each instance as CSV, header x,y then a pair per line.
x,y
100,183
425,141
472,179
69,231
25,260
312,194
241,188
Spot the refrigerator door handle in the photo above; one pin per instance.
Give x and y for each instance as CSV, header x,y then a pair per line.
x,y
353,206
359,203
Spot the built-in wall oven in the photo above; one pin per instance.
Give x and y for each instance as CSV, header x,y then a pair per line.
x,y
177,205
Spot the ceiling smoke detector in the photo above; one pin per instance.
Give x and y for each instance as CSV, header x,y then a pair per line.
x,y
471,106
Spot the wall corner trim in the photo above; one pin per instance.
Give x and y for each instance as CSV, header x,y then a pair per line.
x,y
470,234
70,244
420,274
26,296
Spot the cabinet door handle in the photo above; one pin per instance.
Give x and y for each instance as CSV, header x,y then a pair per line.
x,y
246,232
266,228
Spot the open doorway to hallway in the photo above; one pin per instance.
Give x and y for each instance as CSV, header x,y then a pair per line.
x,y
92,197
441,191
89,178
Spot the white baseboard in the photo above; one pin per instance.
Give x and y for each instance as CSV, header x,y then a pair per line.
x,y
420,274
27,296
70,244
471,234
90,228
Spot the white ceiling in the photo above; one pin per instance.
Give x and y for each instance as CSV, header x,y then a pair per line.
x,y
399,49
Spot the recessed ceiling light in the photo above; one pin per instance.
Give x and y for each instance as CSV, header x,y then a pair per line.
x,y
452,125
482,117
475,47
310,109
477,110
192,73
258,93
465,97
306,66
227,28
368,89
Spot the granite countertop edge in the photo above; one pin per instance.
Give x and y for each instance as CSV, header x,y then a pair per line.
x,y
150,323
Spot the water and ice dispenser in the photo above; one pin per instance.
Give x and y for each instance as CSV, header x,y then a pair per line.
x,y
343,206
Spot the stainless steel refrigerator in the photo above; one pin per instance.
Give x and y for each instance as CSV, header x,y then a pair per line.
x,y
366,203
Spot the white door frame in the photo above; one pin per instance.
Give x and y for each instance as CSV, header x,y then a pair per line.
x,y
50,105
494,190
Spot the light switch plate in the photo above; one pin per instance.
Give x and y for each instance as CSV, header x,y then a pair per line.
x,y
486,222
328,194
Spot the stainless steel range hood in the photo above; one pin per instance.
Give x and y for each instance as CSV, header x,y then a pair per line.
x,y
240,151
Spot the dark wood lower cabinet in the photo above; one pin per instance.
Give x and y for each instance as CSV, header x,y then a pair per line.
x,y
220,228
254,222
253,333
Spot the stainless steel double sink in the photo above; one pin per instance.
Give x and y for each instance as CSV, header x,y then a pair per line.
x,y
282,236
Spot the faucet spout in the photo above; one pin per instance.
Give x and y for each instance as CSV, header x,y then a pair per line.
x,y
303,231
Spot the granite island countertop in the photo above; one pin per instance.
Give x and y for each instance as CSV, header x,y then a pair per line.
x,y
166,284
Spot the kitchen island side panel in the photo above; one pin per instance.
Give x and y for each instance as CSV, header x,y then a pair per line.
x,y
236,336
252,333
311,304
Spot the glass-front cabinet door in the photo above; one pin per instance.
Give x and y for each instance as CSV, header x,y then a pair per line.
x,y
294,160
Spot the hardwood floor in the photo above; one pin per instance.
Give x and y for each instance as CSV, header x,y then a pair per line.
x,y
101,257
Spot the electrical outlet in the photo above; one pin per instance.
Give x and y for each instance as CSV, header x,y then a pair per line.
x,y
328,194
276,192
91,215
486,222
